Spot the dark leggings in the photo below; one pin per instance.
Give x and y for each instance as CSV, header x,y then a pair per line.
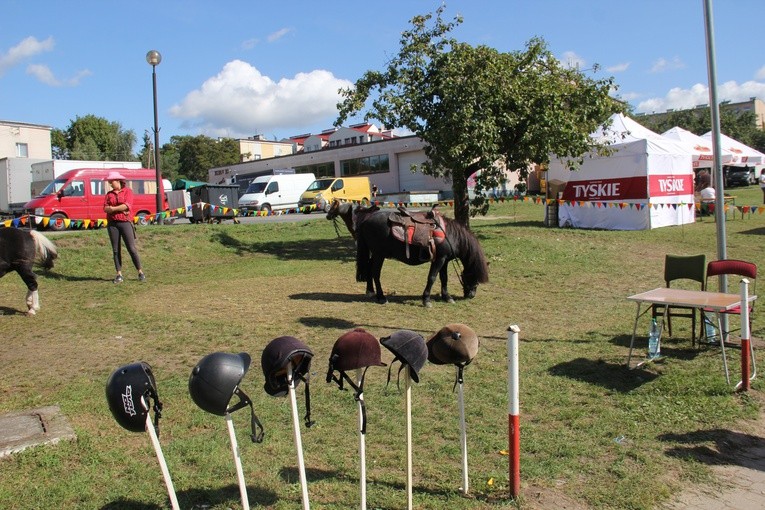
x,y
123,230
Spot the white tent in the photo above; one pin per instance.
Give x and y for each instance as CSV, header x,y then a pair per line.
x,y
647,182
701,148
743,155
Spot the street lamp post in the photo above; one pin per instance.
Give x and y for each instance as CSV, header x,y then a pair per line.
x,y
154,57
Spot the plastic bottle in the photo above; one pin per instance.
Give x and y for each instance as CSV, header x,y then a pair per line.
x,y
653,341
711,331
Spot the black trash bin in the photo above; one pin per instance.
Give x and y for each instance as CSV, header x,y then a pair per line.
x,y
214,202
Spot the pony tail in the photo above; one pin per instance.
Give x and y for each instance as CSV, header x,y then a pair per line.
x,y
362,259
45,250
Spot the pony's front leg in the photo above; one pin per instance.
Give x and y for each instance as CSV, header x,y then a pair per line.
x,y
444,274
33,302
376,270
435,269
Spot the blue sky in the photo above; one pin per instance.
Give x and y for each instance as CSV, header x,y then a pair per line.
x,y
273,68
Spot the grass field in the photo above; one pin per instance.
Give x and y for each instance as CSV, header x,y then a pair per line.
x,y
591,430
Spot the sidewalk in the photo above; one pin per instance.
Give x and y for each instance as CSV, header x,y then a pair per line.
x,y
737,460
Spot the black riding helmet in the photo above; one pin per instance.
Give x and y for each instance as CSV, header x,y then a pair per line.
x,y
280,353
129,391
455,344
409,348
355,349
215,380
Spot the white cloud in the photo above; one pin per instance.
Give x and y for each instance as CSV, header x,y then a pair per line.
x,y
760,75
618,68
24,50
572,61
45,75
249,44
278,34
663,65
239,101
678,98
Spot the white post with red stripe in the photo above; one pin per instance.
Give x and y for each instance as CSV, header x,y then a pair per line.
x,y
745,339
513,418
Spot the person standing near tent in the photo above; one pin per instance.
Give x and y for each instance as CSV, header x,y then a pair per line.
x,y
117,206
762,184
703,180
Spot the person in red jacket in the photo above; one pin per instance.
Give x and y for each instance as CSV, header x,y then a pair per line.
x,y
118,206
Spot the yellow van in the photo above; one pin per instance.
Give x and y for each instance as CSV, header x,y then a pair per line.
x,y
322,191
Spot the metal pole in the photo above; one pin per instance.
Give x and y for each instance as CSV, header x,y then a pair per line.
x,y
160,189
463,437
161,459
362,444
513,418
746,379
238,463
298,441
408,405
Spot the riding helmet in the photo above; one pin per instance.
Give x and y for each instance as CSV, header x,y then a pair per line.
x,y
409,348
454,344
128,393
215,379
279,353
355,349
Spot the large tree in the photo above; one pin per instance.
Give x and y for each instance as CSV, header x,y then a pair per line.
x,y
197,154
95,139
478,108
738,125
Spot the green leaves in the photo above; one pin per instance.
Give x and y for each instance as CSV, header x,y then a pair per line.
x,y
481,109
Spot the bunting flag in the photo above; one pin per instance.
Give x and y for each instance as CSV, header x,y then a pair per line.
x,y
44,221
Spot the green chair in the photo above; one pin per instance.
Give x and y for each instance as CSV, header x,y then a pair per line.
x,y
684,271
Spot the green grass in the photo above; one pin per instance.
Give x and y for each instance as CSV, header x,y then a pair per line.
x,y
591,430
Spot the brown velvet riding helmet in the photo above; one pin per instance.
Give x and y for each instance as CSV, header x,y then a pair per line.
x,y
455,344
355,349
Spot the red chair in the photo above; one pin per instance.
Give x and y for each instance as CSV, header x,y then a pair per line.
x,y
741,269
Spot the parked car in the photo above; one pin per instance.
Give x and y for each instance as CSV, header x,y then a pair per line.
x,y
322,191
739,176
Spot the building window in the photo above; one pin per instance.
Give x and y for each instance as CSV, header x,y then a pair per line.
x,y
22,150
319,170
363,166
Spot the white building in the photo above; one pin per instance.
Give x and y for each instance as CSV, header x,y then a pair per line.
x,y
391,163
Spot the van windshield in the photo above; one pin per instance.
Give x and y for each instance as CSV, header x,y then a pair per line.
x,y
53,188
256,187
320,184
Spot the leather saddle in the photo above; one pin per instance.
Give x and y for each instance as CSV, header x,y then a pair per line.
x,y
424,230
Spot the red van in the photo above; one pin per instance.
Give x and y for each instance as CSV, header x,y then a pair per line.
x,y
79,195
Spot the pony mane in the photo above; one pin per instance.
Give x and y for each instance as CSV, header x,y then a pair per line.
x,y
471,253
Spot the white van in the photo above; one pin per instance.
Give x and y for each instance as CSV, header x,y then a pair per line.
x,y
274,192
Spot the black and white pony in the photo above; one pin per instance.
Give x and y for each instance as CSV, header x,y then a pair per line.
x,y
375,243
19,251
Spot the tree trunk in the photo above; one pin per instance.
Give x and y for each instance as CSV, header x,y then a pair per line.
x,y
461,200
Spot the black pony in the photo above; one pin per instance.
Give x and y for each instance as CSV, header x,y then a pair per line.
x,y
375,243
19,251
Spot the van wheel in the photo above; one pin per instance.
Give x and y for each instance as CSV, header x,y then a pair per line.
x,y
266,208
143,218
57,222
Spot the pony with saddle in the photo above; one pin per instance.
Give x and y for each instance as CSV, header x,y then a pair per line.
x,y
413,238
19,251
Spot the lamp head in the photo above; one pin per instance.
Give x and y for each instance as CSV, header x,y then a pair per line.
x,y
154,58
